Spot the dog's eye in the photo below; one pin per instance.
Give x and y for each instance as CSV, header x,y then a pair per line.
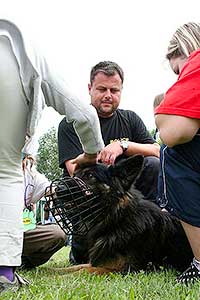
x,y
89,175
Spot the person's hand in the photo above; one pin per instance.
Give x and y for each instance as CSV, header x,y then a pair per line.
x,y
25,162
110,153
84,160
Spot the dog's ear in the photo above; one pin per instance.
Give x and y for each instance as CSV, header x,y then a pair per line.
x,y
127,170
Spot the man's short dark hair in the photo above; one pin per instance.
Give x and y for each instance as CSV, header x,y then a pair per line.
x,y
109,68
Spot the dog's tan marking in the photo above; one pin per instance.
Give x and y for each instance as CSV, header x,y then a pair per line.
x,y
114,266
71,269
123,201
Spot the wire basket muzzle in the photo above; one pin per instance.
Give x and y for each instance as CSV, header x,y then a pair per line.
x,y
74,205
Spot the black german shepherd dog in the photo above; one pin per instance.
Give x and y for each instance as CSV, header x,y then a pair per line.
x,y
132,233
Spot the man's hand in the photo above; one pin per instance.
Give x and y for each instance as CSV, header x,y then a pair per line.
x,y
84,160
110,153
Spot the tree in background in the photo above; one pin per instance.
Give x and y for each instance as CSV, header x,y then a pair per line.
x,y
155,135
152,132
47,157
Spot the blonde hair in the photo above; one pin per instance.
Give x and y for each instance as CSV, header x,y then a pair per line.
x,y
185,40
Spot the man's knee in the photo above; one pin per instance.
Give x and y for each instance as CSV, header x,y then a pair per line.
x,y
148,179
152,165
59,235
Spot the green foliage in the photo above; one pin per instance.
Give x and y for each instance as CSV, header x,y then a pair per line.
x,y
153,132
47,158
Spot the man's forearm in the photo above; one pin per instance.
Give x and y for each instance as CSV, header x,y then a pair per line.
x,y
143,149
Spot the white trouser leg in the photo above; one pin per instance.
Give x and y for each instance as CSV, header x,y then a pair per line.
x,y
13,120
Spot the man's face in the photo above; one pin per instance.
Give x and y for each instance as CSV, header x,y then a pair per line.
x,y
105,92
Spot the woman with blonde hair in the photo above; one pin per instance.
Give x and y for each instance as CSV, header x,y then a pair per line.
x,y
178,121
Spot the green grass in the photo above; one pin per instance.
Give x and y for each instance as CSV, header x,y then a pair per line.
x,y
47,285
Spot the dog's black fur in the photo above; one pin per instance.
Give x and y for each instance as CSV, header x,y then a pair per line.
x,y
133,233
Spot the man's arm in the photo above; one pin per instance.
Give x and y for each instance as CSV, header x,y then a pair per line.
x,y
69,146
139,142
109,154
142,143
57,95
143,149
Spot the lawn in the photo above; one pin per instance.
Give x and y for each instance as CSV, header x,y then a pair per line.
x,y
47,285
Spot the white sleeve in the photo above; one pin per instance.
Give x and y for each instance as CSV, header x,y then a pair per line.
x,y
40,184
84,116
31,146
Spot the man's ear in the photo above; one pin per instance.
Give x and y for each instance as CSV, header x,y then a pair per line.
x,y
127,170
89,87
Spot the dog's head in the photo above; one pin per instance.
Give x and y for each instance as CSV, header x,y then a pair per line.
x,y
115,179
85,199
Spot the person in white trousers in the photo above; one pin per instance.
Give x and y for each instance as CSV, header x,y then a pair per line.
x,y
27,83
41,241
